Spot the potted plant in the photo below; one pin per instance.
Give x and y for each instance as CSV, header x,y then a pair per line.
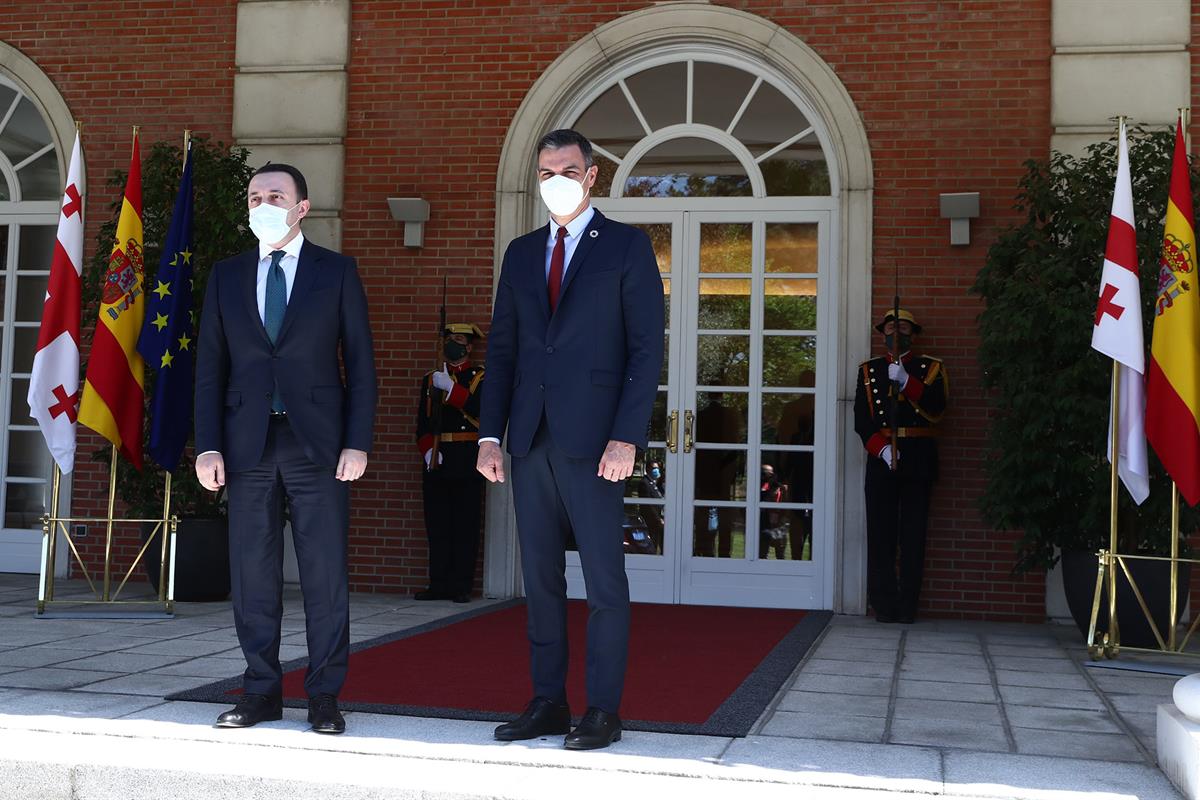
x,y
1047,474
220,175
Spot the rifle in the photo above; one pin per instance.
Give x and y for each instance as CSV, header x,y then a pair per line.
x,y
895,390
435,403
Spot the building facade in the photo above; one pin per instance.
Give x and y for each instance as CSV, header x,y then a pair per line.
x,y
787,160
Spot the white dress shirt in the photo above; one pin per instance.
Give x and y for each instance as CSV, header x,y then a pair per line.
x,y
575,229
289,261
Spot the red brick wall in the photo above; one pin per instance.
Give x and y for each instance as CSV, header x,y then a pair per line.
x,y
163,65
954,96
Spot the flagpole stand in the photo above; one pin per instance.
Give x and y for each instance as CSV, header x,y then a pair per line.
x,y
105,602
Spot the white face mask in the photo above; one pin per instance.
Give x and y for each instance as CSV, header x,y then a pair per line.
x,y
561,194
269,223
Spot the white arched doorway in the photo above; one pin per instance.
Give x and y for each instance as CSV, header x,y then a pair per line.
x,y
737,150
35,127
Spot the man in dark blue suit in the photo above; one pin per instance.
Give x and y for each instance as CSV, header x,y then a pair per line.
x,y
574,354
275,422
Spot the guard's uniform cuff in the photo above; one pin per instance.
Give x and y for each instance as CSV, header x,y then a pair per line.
x,y
876,444
425,444
913,389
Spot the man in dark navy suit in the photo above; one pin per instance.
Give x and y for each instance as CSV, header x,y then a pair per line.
x,y
275,422
574,354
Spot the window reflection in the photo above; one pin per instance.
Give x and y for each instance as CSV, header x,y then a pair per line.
x,y
787,418
721,417
722,360
661,94
719,532
688,167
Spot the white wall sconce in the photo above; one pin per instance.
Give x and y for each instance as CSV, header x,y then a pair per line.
x,y
960,208
413,212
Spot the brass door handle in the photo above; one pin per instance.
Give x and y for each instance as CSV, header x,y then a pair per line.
x,y
673,431
687,431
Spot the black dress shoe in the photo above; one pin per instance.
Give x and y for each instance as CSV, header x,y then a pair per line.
x,y
597,729
324,716
541,717
430,594
462,598
906,619
251,710
884,616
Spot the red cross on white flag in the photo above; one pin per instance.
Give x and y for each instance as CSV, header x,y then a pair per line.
x,y
1117,332
54,383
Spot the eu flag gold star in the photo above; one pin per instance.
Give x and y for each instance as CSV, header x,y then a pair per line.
x,y
187,256
160,321
163,289
167,358
184,341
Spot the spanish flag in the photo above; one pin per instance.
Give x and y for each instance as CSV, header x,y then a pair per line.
x,y
113,399
1173,387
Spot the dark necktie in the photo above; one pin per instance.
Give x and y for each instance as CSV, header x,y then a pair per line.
x,y
557,260
274,308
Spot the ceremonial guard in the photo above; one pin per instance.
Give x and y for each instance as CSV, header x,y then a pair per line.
x,y
899,399
447,437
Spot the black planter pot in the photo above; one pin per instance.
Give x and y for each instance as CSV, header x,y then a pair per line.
x,y
201,559
1154,581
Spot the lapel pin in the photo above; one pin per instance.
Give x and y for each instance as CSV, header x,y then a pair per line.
x,y
593,234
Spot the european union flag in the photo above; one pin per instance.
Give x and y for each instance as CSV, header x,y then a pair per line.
x,y
167,337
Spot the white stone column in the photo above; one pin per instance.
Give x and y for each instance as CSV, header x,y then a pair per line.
x,y
1114,57
290,97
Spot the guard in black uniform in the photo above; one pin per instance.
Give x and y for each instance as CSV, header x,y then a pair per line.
x,y
453,489
898,500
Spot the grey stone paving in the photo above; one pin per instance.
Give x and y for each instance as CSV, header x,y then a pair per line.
x,y
943,709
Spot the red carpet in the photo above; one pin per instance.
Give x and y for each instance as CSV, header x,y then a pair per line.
x,y
700,669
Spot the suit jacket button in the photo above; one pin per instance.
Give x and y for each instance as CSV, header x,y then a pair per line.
x,y
267,395
542,387
549,349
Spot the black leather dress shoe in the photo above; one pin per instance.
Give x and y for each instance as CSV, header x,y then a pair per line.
x,y
251,710
597,729
430,594
324,716
462,598
542,717
884,616
906,619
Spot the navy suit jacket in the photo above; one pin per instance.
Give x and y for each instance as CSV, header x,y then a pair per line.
x,y
237,367
592,367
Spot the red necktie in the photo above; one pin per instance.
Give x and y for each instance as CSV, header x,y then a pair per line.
x,y
554,282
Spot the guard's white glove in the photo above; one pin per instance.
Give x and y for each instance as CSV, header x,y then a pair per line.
x,y
885,454
442,379
429,453
897,373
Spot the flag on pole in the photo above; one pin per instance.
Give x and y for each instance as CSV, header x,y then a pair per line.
x,y
113,398
1117,332
1173,388
167,341
54,383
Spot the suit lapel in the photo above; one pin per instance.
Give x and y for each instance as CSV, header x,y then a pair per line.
x,y
306,273
586,241
249,292
537,262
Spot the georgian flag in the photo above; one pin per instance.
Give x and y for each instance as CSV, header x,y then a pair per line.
x,y
54,383
1117,332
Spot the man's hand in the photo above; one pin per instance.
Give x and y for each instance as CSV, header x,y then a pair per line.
x,y
210,471
886,455
490,462
351,465
442,379
897,373
617,462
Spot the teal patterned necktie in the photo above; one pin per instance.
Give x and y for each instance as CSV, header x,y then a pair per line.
x,y
273,310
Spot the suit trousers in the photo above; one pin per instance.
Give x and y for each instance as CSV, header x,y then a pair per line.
x,y
897,513
318,506
554,496
453,504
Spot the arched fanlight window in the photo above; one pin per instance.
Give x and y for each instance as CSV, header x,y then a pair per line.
x,y
701,128
28,161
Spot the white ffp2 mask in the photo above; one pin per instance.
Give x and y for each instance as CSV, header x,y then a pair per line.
x,y
561,194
